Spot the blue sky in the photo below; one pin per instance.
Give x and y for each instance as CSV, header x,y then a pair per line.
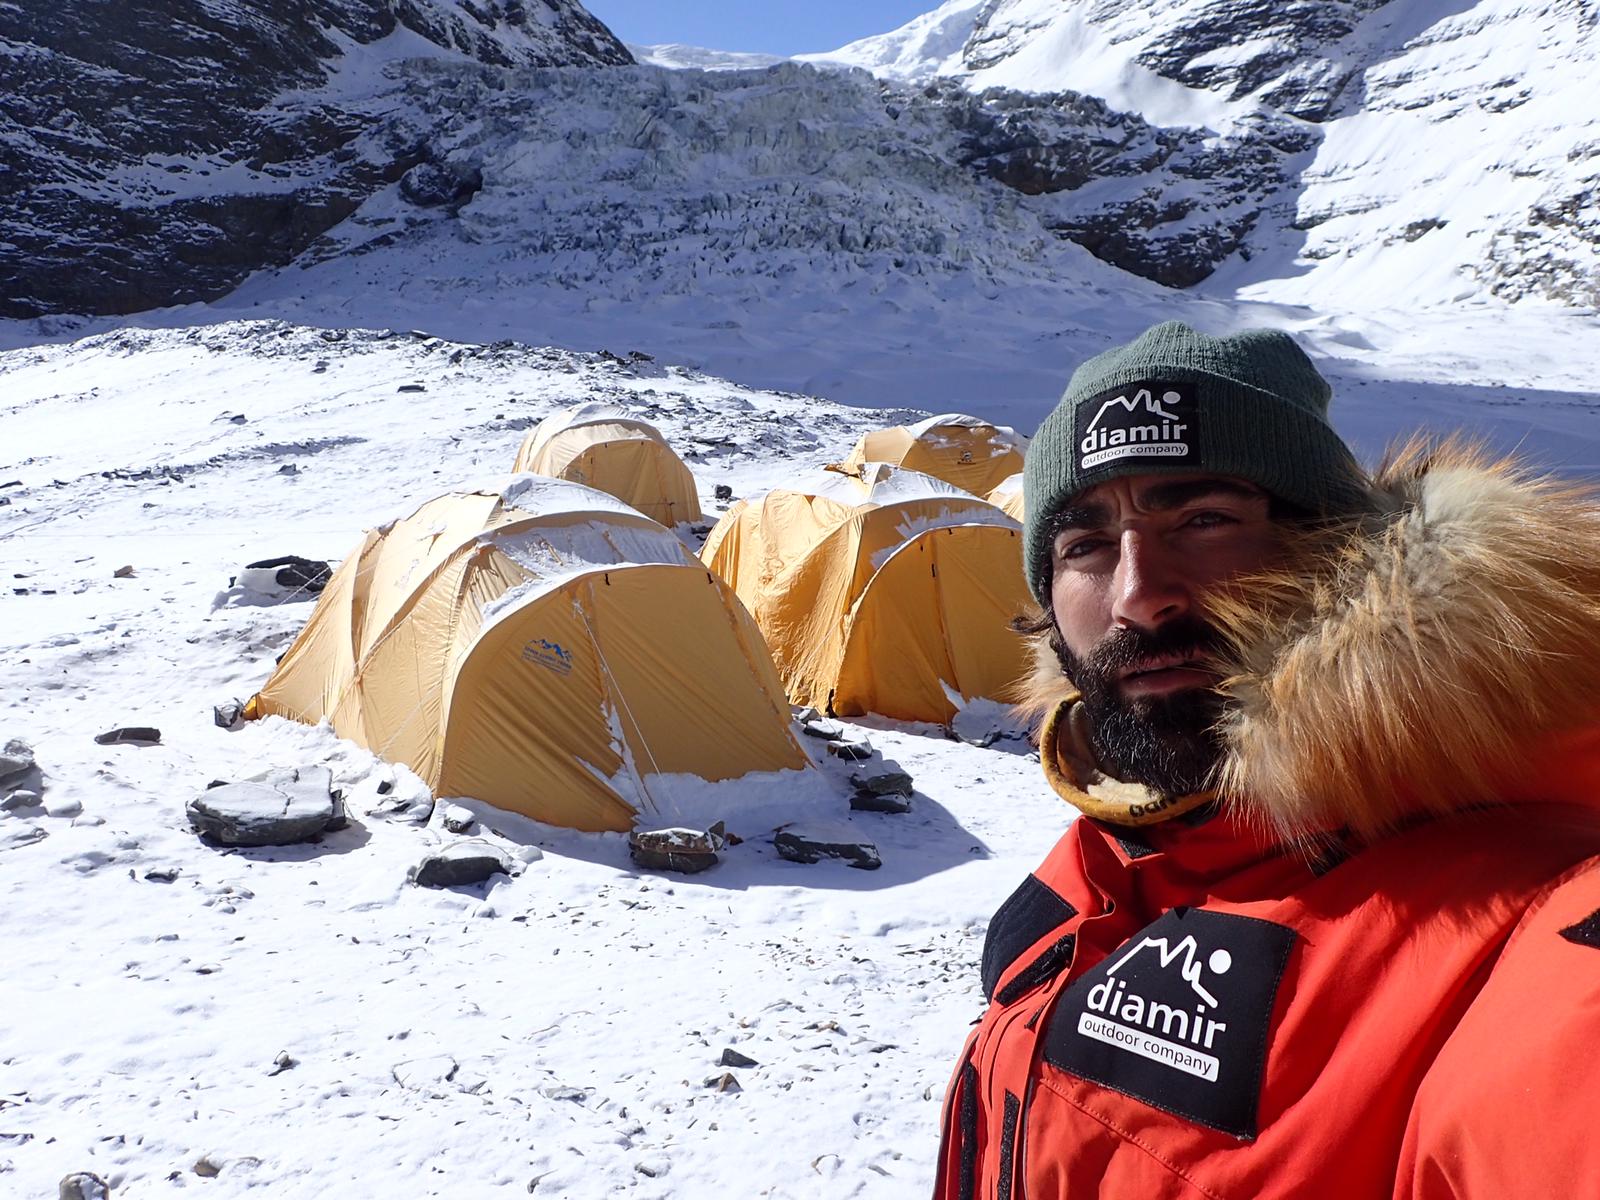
x,y
772,26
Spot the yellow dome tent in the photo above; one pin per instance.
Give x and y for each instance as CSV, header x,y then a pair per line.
x,y
545,649
889,592
971,453
604,448
1007,496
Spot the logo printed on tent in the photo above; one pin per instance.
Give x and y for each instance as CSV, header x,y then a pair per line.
x,y
548,654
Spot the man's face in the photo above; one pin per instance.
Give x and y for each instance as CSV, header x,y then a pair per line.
x,y
1129,560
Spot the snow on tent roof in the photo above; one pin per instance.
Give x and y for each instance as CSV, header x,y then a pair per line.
x,y
1004,432
544,495
591,412
876,484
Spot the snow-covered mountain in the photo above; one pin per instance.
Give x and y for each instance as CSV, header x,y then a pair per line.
x,y
1450,144
926,236
156,153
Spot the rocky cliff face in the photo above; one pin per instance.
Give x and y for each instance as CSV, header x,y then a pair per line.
x,y
154,153
1294,57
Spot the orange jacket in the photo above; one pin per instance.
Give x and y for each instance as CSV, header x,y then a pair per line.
x,y
1197,1013
1189,1007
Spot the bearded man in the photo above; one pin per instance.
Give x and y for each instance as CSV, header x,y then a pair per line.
x,y
1329,924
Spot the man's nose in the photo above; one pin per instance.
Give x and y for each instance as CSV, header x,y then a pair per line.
x,y
1151,589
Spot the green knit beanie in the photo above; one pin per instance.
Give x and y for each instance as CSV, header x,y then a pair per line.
x,y
1249,405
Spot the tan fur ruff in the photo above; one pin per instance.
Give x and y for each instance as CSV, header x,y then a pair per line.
x,y
1413,661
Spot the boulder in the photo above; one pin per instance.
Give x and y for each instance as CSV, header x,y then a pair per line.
x,y
83,1185
880,802
804,846
457,819
686,850
287,806
851,750
447,184
884,791
883,783
228,715
137,735
460,864
16,759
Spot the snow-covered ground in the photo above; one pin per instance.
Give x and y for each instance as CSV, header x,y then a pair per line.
x,y
557,1028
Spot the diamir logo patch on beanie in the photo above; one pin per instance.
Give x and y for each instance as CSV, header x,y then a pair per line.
x,y
1146,419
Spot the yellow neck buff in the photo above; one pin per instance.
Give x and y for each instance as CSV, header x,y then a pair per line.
x,y
1069,764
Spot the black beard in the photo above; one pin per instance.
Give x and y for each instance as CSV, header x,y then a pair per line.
x,y
1170,744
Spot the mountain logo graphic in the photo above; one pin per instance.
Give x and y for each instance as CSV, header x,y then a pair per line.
x,y
1160,1028
1152,419
548,654
1178,1016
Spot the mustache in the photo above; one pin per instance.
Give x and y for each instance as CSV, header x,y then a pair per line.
x,y
1123,648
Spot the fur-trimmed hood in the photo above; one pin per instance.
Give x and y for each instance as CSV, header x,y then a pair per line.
x,y
1422,659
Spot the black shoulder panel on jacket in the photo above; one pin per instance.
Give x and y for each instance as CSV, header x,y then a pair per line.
x,y
1031,912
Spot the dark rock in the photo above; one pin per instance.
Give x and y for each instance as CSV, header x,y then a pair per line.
x,y
686,850
288,806
84,1185
122,573
804,847
863,801
460,864
228,714
853,750
457,819
448,185
723,491
21,798
162,874
821,727
732,1058
884,783
16,759
411,387
138,735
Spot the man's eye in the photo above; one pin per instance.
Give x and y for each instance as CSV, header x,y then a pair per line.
x,y
1210,518
1082,548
